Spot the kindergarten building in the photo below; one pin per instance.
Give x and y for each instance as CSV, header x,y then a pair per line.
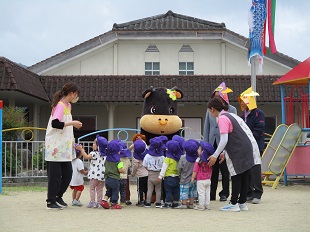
x,y
114,68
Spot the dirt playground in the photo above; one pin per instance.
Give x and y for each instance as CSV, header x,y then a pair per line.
x,y
286,208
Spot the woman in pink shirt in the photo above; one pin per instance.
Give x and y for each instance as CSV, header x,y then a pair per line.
x,y
59,141
241,151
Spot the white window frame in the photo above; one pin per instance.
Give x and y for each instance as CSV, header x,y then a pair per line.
x,y
152,70
186,70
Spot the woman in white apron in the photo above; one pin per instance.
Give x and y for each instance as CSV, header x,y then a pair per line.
x,y
59,141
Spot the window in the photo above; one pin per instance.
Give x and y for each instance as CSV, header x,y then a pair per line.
x,y
89,125
270,127
186,68
152,68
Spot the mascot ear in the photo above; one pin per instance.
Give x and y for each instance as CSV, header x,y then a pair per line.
x,y
147,92
179,93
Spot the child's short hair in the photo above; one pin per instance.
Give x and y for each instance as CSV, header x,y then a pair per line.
x,y
134,138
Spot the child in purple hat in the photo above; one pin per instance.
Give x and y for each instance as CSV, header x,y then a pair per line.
x,y
125,154
202,173
153,162
113,168
188,190
96,170
180,140
170,172
140,150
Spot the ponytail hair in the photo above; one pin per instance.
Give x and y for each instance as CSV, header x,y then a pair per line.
x,y
218,103
70,87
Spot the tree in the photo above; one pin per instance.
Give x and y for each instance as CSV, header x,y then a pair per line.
x,y
13,117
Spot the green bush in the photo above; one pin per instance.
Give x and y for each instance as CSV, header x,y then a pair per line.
x,y
13,117
10,162
39,159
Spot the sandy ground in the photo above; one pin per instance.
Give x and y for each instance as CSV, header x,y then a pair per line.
x,y
286,208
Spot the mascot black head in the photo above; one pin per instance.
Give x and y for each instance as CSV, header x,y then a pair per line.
x,y
160,112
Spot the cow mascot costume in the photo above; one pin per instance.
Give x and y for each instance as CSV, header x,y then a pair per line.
x,y
160,113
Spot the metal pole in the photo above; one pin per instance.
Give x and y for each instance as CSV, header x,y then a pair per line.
x,y
253,72
1,106
284,122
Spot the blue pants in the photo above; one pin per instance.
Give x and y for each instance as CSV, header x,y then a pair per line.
x,y
172,188
112,186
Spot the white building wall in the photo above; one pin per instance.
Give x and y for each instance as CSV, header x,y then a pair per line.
x,y
128,57
211,57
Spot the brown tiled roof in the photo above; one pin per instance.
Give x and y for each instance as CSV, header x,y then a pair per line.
x,y
196,88
16,78
168,21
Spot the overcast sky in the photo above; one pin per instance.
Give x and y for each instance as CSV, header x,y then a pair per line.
x,y
33,30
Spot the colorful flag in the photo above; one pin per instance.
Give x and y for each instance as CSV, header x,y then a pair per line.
x,y
261,14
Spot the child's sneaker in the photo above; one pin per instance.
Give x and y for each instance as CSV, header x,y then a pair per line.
x,y
157,205
123,204
231,207
78,203
74,202
182,207
189,206
98,205
105,204
92,204
116,206
128,203
61,202
166,206
147,205
53,206
199,207
243,207
175,205
140,204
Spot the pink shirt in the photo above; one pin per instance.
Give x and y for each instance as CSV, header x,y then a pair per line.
x,y
203,170
225,125
58,111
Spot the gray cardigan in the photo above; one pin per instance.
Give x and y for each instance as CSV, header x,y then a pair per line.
x,y
211,131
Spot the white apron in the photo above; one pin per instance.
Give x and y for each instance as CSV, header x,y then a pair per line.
x,y
59,142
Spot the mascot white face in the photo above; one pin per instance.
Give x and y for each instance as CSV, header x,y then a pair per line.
x,y
160,112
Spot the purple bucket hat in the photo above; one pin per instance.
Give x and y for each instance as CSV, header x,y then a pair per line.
x,y
156,147
113,151
125,152
102,145
207,150
180,140
164,139
191,150
173,150
139,149
76,150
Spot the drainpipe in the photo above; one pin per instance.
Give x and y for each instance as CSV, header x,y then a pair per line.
x,y
111,107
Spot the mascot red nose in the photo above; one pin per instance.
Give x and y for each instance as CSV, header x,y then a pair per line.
x,y
160,112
